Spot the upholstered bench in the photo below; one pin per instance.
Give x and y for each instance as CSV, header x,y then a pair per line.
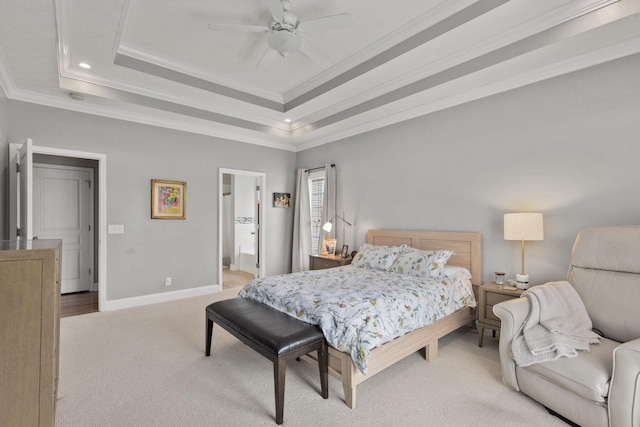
x,y
275,335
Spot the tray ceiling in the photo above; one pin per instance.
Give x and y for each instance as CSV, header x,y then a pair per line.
x,y
158,62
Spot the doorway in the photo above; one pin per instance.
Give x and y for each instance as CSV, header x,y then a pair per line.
x,y
21,203
241,227
63,209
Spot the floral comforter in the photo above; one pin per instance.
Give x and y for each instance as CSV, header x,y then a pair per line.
x,y
359,309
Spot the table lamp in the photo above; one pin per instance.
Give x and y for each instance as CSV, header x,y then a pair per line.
x,y
329,225
523,226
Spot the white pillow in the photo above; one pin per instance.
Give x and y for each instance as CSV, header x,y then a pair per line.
x,y
421,263
376,257
458,272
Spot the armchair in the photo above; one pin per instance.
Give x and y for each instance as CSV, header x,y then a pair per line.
x,y
600,387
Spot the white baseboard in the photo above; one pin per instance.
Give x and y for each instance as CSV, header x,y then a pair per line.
x,y
118,304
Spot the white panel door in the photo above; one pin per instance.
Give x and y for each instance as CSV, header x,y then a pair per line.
x,y
62,209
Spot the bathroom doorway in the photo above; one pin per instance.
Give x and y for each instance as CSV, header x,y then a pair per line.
x,y
241,230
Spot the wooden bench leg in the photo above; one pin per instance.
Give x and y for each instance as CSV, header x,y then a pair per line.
x,y
323,365
279,371
207,347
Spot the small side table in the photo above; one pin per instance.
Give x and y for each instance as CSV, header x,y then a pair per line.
x,y
319,262
490,295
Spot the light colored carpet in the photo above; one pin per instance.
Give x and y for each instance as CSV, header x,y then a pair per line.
x,y
235,278
145,366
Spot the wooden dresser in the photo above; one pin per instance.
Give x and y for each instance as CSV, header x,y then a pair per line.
x,y
30,273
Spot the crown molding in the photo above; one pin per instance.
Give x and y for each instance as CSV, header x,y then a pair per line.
x,y
152,118
148,57
422,22
213,103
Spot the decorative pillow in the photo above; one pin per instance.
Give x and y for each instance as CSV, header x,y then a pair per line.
x,y
459,272
376,257
421,263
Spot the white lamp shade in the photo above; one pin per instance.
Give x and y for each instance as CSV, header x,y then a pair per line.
x,y
327,226
523,226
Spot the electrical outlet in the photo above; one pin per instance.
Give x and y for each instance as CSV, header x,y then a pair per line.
x,y
167,281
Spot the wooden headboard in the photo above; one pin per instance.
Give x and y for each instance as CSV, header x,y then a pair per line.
x,y
467,246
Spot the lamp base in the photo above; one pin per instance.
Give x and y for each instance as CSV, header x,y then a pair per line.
x,y
522,281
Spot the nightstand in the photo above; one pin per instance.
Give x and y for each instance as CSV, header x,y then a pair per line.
x,y
490,295
319,262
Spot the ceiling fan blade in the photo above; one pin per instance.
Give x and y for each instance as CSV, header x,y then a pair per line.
x,y
267,58
331,22
315,54
275,7
238,27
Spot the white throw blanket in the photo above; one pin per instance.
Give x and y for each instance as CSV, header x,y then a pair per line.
x,y
557,326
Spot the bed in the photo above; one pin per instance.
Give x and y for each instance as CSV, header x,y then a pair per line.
x,y
346,364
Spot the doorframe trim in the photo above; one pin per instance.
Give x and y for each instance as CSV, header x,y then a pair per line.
x,y
102,211
261,230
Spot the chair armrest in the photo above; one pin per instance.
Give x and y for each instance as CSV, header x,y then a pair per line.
x,y
512,314
624,400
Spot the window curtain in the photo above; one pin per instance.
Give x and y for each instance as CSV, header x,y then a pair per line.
x,y
301,247
329,200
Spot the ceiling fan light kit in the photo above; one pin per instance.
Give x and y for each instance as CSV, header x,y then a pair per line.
x,y
284,42
285,32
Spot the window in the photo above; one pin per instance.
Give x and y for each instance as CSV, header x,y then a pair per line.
x,y
316,196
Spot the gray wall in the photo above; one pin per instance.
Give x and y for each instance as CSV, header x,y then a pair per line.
x,y
568,148
150,250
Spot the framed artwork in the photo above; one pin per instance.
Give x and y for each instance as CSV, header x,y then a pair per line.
x,y
328,247
168,199
345,251
281,200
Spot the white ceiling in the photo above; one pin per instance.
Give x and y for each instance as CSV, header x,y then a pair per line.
x,y
157,62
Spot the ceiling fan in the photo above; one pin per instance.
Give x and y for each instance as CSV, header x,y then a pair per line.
x,y
286,32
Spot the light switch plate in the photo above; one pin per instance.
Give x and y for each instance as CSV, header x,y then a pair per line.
x,y
116,228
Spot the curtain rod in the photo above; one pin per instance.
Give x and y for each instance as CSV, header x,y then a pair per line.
x,y
318,168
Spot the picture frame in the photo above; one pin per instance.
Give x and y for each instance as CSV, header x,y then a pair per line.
x,y
168,199
345,251
282,200
328,247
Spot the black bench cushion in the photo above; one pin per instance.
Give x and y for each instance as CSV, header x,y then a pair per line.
x,y
271,329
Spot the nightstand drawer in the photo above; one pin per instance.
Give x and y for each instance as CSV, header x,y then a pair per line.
x,y
489,314
493,298
320,263
317,262
491,294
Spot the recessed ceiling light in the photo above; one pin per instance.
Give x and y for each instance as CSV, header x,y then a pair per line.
x,y
84,65
287,120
